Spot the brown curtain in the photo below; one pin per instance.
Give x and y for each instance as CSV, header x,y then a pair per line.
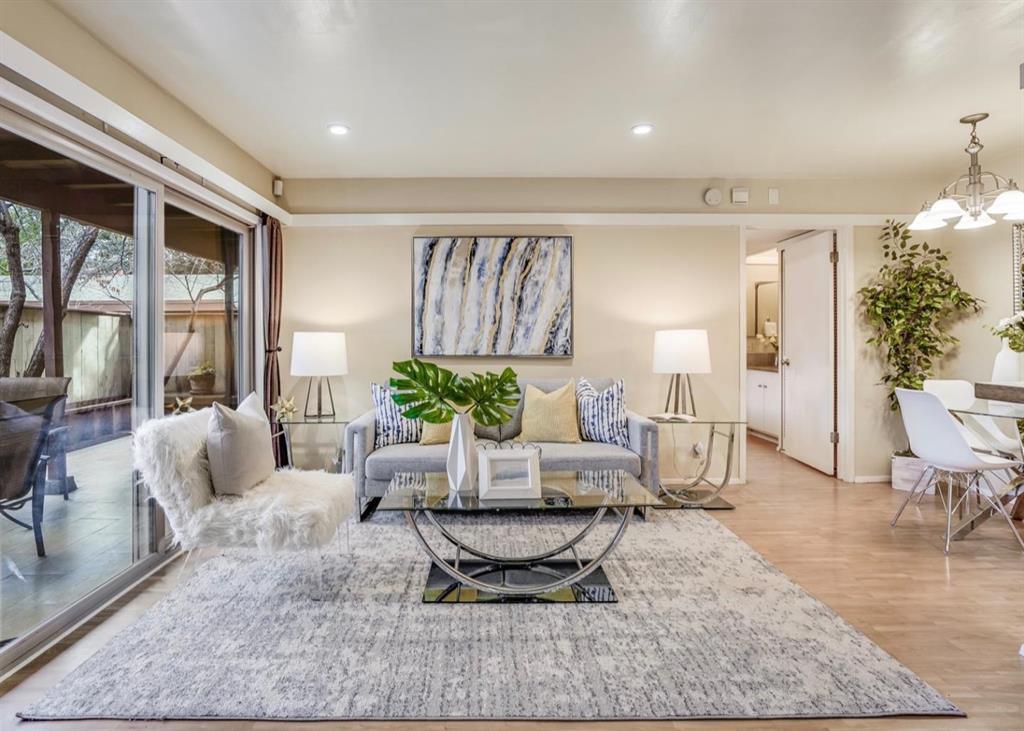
x,y
274,257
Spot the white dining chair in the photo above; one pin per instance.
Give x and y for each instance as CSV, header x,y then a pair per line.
x,y
936,438
982,431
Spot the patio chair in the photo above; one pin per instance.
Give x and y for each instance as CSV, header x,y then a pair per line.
x,y
292,510
27,410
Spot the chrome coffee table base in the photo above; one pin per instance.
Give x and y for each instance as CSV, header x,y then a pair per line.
x,y
592,589
480,576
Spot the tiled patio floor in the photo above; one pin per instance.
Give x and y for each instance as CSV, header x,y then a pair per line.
x,y
88,540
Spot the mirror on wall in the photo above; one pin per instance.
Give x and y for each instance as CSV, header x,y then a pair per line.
x,y
766,307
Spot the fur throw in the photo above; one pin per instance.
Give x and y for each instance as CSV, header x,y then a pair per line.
x,y
289,511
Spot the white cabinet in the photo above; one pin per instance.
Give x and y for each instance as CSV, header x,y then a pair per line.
x,y
764,402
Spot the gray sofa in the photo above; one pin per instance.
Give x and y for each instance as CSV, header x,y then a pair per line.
x,y
374,468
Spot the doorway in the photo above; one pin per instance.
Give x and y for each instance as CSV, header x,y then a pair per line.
x,y
792,320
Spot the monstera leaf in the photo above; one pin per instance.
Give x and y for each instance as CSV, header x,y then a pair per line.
x,y
492,395
427,392
435,394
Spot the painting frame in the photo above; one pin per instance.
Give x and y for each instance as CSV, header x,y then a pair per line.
x,y
568,355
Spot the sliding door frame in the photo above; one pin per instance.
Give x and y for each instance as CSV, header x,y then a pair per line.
x,y
34,119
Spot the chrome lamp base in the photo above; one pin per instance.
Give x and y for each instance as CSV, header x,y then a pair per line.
x,y
679,400
320,412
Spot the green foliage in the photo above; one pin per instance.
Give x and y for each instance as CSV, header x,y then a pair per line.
x,y
203,369
435,394
910,304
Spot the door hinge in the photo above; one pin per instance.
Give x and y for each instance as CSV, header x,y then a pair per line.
x,y
833,256
833,437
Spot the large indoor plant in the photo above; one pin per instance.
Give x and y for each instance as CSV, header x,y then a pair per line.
x,y
910,305
437,395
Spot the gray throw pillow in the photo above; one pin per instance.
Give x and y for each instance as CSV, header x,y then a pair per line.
x,y
239,447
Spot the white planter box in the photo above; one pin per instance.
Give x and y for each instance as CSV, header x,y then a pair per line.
x,y
906,471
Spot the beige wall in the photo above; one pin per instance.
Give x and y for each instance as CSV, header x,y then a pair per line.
x,y
628,282
607,195
47,31
878,430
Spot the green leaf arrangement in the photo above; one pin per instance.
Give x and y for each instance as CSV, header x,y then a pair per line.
x,y
910,304
436,394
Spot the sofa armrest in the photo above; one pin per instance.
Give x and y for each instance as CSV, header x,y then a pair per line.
x,y
359,438
643,439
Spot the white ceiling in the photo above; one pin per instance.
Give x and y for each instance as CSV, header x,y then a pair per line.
x,y
747,88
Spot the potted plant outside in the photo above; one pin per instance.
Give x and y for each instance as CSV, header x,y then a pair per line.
x,y
910,304
201,378
438,395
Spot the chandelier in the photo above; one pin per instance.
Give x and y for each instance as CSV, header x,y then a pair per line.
x,y
969,198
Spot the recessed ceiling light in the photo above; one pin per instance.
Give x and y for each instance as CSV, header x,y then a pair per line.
x,y
337,129
642,129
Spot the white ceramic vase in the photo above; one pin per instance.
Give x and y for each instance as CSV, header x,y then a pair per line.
x,y
462,456
1009,365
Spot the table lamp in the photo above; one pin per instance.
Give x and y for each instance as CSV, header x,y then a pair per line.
x,y
319,355
681,353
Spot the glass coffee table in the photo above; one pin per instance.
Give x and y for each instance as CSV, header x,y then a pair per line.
x,y
558,574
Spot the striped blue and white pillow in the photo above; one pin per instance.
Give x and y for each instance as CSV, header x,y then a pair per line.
x,y
602,414
392,427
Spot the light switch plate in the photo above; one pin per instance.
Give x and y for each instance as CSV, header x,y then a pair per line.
x,y
773,196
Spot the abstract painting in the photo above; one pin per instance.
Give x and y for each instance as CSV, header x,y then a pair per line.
x,y
492,296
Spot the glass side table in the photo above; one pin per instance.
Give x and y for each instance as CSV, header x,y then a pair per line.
x,y
289,423
692,493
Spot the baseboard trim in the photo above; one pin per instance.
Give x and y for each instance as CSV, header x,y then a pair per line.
x,y
872,478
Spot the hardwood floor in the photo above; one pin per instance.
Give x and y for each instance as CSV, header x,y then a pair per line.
x,y
958,621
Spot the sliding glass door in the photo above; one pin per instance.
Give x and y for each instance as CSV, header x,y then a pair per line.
x,y
120,301
204,339
71,517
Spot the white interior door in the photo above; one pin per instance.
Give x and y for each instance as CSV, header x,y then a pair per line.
x,y
808,350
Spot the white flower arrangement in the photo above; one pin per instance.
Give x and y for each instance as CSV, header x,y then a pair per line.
x,y
1012,330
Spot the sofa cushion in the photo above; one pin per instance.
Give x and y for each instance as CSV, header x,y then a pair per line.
x,y
512,428
391,426
587,456
238,444
383,463
550,417
602,414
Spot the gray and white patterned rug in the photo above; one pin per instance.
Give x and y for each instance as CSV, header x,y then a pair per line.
x,y
705,628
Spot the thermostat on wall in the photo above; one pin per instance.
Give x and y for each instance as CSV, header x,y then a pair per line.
x,y
712,196
740,196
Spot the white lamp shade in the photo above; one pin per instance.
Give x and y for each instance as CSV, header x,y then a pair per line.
x,y
1009,201
946,208
681,351
969,222
319,354
925,221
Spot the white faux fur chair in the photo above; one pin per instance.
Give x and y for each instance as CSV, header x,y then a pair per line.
x,y
293,510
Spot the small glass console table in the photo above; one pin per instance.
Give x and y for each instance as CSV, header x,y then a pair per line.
x,y
700,491
556,574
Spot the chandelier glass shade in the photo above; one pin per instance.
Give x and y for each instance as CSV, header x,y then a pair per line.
x,y
975,197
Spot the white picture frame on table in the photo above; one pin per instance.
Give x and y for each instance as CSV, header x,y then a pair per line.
x,y
509,474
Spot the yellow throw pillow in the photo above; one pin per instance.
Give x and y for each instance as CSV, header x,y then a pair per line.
x,y
436,433
550,417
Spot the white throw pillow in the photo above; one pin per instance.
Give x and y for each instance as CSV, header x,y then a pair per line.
x,y
239,447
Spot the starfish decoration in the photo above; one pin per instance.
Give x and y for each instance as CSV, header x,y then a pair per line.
x,y
182,405
284,408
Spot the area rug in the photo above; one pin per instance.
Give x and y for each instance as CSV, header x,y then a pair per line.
x,y
704,628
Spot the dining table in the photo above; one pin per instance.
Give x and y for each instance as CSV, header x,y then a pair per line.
x,y
1010,491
